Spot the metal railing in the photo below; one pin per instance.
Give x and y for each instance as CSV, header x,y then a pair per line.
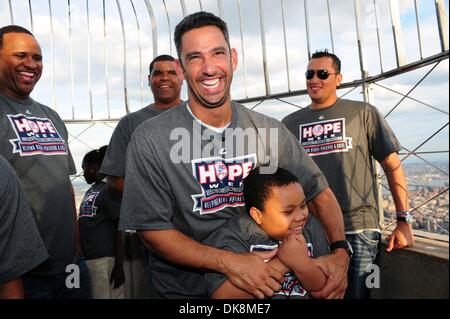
x,y
274,38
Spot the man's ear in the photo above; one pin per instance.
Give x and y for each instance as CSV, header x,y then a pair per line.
x,y
338,80
256,214
179,69
234,59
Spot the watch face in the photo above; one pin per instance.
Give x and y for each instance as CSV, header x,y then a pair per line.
x,y
409,219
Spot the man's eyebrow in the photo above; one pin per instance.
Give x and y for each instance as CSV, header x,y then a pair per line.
x,y
215,49
192,53
219,48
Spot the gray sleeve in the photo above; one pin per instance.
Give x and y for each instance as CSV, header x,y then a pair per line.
x,y
147,199
21,246
114,161
315,234
294,158
382,140
226,239
72,167
71,164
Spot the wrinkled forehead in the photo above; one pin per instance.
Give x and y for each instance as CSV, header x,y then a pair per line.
x,y
203,39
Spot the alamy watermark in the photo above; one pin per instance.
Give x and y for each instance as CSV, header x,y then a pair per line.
x,y
73,277
206,144
373,279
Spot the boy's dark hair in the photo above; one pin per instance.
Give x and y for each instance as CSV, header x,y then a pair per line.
x,y
162,57
12,29
195,21
326,54
95,156
258,186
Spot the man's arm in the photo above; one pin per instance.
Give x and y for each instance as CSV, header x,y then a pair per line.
x,y
229,291
402,235
75,223
114,186
117,275
326,208
12,289
247,271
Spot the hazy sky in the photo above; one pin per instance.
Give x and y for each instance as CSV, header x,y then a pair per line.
x,y
79,70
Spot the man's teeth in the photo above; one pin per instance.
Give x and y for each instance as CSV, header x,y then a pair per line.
x,y
28,74
210,83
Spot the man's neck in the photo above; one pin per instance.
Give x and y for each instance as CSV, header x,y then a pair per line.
x,y
11,95
321,105
215,117
164,106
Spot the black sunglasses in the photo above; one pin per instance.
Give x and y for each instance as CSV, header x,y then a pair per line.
x,y
321,74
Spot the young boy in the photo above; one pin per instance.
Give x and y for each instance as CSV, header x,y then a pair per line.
x,y
277,217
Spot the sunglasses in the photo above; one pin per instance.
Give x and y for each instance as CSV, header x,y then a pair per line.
x,y
321,74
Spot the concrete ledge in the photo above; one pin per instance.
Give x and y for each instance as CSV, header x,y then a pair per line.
x,y
420,272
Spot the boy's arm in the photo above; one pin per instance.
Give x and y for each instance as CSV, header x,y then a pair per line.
x,y
293,253
229,291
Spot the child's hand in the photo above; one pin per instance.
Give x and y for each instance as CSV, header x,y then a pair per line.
x,y
292,250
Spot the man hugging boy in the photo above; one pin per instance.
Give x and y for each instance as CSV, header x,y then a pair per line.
x,y
276,219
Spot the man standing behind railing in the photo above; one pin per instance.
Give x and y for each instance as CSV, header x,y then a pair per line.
x,y
342,136
33,138
165,84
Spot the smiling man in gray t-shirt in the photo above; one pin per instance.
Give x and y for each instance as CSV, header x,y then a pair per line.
x,y
185,170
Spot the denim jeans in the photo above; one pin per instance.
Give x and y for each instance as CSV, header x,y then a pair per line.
x,y
365,248
54,286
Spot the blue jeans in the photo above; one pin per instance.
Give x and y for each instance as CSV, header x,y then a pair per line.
x,y
365,249
54,286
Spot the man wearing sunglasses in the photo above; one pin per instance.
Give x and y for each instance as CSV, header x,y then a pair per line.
x,y
342,136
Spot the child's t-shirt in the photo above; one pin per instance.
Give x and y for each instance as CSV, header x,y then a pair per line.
x,y
241,234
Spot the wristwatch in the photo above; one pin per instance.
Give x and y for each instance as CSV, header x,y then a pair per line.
x,y
345,244
405,217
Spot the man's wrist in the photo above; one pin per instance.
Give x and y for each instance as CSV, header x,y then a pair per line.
x,y
405,217
342,245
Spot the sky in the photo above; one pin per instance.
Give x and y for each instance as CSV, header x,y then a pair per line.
x,y
84,74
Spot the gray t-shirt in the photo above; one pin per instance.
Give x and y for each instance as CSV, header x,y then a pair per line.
x,y
33,139
98,220
342,140
21,246
114,161
181,175
241,234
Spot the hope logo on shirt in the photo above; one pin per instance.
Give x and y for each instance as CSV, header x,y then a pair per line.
x,y
325,137
222,182
36,136
87,207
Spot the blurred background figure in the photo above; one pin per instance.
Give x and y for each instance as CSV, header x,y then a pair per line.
x,y
101,242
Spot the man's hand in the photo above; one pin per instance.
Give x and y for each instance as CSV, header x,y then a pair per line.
x,y
335,267
401,237
117,276
251,273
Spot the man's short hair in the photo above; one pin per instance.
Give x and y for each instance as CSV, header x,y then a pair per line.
x,y
326,54
12,29
258,186
198,20
162,57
